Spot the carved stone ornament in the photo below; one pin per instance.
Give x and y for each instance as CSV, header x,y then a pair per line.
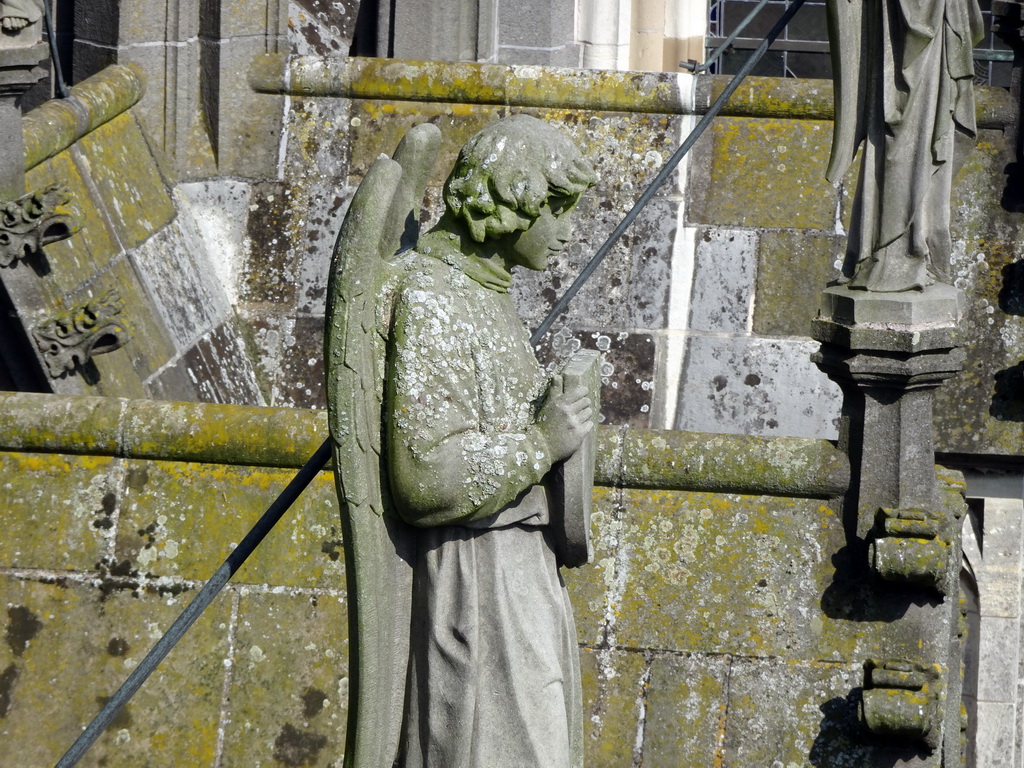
x,y
913,547
32,221
73,338
901,701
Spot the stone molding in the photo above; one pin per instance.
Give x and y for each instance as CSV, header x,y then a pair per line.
x,y
287,437
564,88
59,123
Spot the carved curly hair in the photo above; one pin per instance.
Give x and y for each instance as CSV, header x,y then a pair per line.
x,y
507,172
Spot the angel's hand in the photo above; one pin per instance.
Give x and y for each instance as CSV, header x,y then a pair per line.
x,y
565,418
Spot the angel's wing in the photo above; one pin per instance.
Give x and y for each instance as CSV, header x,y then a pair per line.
x,y
382,218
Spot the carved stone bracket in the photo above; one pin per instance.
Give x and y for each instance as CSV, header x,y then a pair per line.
x,y
73,338
901,701
35,220
913,547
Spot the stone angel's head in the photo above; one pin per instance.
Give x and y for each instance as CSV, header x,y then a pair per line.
x,y
516,173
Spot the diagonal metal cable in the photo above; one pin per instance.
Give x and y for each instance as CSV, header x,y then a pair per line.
x,y
319,459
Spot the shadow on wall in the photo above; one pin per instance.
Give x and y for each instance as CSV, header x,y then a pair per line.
x,y
834,747
1008,393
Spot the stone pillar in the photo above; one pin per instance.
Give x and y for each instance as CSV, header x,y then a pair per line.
x,y
889,352
21,51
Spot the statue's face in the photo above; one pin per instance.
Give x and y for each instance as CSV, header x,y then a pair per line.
x,y
546,237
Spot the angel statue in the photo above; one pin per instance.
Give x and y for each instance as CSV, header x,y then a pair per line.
x,y
903,78
448,438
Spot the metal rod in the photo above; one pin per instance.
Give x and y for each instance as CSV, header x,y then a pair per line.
x,y
666,170
199,603
58,74
696,68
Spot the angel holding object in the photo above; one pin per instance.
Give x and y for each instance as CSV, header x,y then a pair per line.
x,y
449,439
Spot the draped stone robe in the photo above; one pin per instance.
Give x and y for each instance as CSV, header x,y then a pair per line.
x,y
903,74
494,665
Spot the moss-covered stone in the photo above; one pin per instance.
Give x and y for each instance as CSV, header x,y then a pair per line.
x,y
79,257
69,648
289,682
685,711
763,173
118,160
613,689
181,520
588,585
59,511
814,701
719,573
792,269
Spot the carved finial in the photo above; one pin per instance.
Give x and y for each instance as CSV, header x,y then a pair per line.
x,y
73,338
32,221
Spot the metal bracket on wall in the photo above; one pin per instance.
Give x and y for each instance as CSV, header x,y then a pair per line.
x,y
913,547
901,701
35,220
73,338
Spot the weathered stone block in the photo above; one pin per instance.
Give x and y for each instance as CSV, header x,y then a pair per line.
x,y
118,161
744,385
1000,639
763,173
290,359
268,269
996,744
74,644
170,525
613,683
725,263
588,585
719,573
289,681
246,124
685,711
79,257
221,369
319,28
176,270
627,369
792,269
59,511
786,713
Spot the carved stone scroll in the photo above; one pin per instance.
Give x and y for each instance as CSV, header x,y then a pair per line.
x,y
901,701
32,221
913,547
73,338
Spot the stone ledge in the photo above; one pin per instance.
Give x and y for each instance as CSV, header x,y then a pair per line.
x,y
564,88
59,123
284,437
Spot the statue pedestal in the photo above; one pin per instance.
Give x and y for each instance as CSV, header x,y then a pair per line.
x,y
889,352
19,71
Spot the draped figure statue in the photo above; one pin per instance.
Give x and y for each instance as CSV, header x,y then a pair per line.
x,y
447,431
903,76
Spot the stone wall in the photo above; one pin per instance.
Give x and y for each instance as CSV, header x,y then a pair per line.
x,y
720,624
146,249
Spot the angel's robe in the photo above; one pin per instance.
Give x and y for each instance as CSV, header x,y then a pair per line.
x,y
903,74
494,665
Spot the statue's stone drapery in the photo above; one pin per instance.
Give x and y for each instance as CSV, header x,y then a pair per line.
x,y
904,88
447,431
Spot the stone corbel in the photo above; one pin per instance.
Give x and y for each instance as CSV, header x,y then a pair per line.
x,y
911,546
35,220
901,701
72,339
